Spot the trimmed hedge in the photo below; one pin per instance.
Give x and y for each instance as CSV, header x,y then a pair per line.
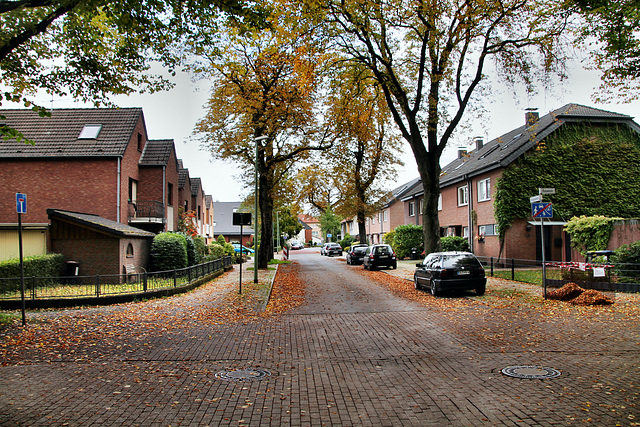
x,y
454,243
50,265
408,237
168,252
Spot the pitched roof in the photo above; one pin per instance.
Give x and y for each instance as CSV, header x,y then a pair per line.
x,y
58,135
502,151
157,152
183,174
196,186
98,223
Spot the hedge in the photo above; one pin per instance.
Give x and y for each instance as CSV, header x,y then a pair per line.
x,y
50,265
168,252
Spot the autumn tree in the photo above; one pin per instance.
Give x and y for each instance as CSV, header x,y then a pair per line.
x,y
429,58
261,107
364,155
615,24
92,49
317,187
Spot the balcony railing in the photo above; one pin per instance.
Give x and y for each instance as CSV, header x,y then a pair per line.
x,y
146,211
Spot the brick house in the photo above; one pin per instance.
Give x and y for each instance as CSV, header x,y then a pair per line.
x,y
392,214
467,187
94,161
224,224
311,231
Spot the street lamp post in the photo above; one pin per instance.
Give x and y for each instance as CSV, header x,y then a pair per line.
x,y
256,245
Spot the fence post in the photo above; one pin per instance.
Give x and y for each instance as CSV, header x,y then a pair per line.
x,y
33,287
189,274
491,266
513,269
97,285
175,279
144,281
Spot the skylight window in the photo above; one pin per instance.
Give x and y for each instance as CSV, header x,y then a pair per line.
x,y
90,132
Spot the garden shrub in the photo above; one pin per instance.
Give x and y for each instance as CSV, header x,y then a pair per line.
x,y
168,252
406,238
50,265
626,262
390,238
201,247
215,251
347,241
192,254
590,233
455,243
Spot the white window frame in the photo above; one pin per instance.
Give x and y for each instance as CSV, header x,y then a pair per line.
x,y
484,190
488,230
465,232
463,195
440,201
420,206
412,208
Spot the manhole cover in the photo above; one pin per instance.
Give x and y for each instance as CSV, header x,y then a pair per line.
x,y
531,372
243,375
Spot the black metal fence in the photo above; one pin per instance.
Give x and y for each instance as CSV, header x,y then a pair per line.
x,y
600,276
98,286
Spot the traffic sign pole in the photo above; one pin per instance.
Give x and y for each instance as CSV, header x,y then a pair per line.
x,y
21,207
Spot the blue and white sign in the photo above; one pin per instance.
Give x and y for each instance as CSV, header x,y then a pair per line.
x,y
542,210
329,235
21,203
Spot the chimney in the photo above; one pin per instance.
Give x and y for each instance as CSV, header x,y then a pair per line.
x,y
531,116
479,142
462,152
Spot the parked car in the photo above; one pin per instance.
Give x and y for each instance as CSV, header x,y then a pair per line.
x,y
329,249
355,254
296,244
245,250
443,271
377,256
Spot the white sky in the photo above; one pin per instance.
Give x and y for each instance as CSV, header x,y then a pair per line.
x,y
173,114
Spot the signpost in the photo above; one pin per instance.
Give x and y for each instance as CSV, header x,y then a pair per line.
x,y
241,219
21,208
542,210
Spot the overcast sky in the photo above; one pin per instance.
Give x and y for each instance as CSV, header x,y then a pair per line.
x,y
173,114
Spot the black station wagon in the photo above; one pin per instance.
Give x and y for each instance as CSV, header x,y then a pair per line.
x,y
443,271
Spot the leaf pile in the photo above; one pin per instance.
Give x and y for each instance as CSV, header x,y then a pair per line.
x,y
576,295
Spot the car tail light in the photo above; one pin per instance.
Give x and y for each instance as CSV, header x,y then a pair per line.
x,y
444,273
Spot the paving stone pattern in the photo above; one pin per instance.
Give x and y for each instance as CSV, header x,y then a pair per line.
x,y
354,355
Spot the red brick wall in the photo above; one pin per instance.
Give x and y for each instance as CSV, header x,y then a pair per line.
x,y
82,185
129,168
96,256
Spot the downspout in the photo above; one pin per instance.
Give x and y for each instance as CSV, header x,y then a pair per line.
x,y
470,204
118,204
164,197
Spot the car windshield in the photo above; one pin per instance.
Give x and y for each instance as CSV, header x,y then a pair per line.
x,y
383,250
457,261
359,249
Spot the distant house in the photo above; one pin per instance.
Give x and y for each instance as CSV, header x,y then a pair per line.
x,y
392,214
467,188
310,230
223,223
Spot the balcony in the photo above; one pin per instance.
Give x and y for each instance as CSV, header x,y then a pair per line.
x,y
145,211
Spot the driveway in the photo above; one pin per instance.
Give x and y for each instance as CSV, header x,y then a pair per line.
x,y
364,349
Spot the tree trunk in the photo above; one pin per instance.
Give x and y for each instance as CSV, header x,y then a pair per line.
x,y
429,170
265,202
362,229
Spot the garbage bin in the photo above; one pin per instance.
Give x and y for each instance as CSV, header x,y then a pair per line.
x,y
414,253
71,272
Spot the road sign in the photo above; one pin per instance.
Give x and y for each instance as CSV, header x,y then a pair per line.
x,y
329,235
547,190
535,199
542,210
21,203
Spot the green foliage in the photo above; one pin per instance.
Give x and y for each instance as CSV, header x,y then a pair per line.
x,y
626,261
201,247
215,251
168,252
193,257
589,166
347,241
390,238
330,223
221,240
407,237
454,243
590,233
50,265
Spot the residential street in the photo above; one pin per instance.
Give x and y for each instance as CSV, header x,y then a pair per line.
x,y
364,348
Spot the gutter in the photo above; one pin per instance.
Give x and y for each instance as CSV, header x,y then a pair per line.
x,y
119,191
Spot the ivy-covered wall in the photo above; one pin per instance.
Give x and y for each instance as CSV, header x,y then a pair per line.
x,y
593,167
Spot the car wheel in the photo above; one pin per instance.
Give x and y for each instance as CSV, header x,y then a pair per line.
x,y
481,289
433,288
372,267
416,283
394,266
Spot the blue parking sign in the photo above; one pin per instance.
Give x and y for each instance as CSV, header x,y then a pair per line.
x,y
21,203
542,210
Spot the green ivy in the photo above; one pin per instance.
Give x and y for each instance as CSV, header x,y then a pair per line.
x,y
590,166
590,233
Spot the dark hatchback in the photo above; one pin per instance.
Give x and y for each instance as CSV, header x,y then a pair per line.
x,y
378,256
355,254
444,271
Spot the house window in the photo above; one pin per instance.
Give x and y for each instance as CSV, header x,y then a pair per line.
x,y
133,190
170,194
439,202
488,230
420,206
130,251
139,142
90,132
373,220
463,195
412,208
465,232
384,216
484,190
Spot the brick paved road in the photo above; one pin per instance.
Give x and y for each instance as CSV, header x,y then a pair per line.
x,y
355,354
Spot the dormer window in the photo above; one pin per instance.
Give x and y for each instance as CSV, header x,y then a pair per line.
x,y
90,132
